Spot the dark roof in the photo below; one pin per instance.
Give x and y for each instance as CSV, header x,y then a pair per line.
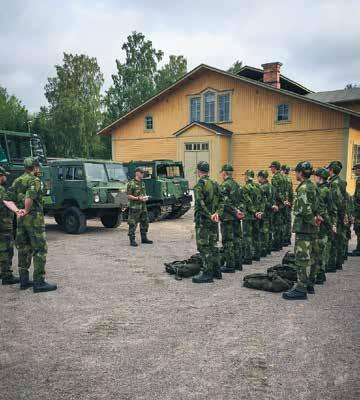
x,y
198,70
218,130
285,83
336,96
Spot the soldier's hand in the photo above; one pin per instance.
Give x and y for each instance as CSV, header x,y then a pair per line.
x,y
141,198
258,215
20,213
275,208
215,218
287,203
239,215
320,219
346,220
333,229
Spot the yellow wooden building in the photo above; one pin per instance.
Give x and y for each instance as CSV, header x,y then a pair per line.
x,y
248,121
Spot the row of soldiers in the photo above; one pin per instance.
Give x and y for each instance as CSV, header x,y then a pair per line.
x,y
256,219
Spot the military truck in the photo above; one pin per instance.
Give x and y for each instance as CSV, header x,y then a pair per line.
x,y
82,189
168,190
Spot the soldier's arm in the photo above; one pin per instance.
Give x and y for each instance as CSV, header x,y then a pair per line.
x,y
279,190
304,208
200,205
130,193
9,199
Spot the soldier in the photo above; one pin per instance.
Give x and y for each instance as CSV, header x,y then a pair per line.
x,y
287,209
356,211
137,208
305,211
277,182
27,193
206,193
230,215
253,215
265,227
6,235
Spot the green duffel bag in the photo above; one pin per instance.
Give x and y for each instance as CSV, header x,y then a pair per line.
x,y
289,258
185,268
266,282
287,272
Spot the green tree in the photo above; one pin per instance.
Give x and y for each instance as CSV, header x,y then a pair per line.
x,y
236,67
75,109
13,115
171,72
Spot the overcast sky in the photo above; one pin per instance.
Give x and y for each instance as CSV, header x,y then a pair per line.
x,y
318,41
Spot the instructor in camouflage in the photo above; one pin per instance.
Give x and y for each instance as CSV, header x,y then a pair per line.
x,y
356,211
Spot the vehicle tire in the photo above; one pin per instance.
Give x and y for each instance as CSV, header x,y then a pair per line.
x,y
111,220
74,221
59,219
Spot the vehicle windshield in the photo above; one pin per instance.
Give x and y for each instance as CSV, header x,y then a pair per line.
x,y
170,171
95,172
116,172
19,148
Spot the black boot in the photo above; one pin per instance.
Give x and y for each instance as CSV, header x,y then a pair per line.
x,y
247,262
145,240
133,242
41,286
10,280
217,273
25,283
354,253
320,278
227,270
294,294
339,267
205,277
264,253
331,268
238,267
310,289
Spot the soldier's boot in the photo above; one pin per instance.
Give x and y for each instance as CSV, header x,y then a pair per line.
x,y
310,289
247,262
40,285
331,268
238,266
339,266
354,253
10,280
204,277
227,269
320,278
133,242
217,273
145,240
25,282
295,294
264,253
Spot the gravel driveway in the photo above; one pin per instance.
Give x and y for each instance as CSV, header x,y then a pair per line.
x,y
120,328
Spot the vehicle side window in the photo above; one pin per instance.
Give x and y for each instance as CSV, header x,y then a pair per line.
x,y
60,173
79,173
3,156
69,176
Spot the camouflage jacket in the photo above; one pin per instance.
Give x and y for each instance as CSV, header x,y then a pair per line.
x,y
279,185
207,197
6,216
254,199
27,186
268,198
336,187
326,210
306,207
356,201
136,188
229,199
289,188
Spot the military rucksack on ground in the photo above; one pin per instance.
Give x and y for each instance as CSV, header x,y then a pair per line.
x,y
289,258
267,282
185,268
287,272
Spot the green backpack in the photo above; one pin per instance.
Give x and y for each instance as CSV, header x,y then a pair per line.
x,y
267,282
185,268
289,258
284,271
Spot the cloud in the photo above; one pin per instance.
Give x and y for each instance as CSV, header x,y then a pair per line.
x,y
316,41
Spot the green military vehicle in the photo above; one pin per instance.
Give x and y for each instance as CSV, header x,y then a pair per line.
x,y
82,189
166,186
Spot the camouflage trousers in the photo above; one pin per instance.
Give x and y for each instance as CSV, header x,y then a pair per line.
x,y
265,237
277,225
6,253
231,241
304,258
337,250
248,248
206,239
357,233
31,244
287,224
138,216
321,256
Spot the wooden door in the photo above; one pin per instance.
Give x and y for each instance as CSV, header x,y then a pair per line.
x,y
194,152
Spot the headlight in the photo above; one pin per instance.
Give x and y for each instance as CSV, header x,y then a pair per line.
x,y
96,198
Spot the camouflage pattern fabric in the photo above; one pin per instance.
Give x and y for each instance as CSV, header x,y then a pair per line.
x,y
185,268
356,212
265,224
6,254
287,210
277,182
267,282
137,209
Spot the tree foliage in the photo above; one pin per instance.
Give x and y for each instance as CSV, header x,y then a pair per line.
x,y
170,72
13,115
236,67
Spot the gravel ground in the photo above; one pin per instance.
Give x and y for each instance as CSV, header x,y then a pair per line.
x,y
120,328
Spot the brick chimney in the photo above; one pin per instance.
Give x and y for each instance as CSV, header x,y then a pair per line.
x,y
272,73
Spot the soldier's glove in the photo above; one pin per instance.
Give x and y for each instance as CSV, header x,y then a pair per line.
x,y
275,208
239,215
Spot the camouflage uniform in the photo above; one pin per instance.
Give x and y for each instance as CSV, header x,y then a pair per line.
x,y
265,223
137,209
356,213
288,185
278,183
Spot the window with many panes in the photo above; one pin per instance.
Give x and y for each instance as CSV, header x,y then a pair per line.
x,y
209,107
224,107
149,123
197,146
195,109
283,113
356,154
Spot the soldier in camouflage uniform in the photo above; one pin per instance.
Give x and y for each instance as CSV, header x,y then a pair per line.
x,y
254,207
137,208
356,211
305,211
6,235
265,223
206,193
26,193
287,209
230,215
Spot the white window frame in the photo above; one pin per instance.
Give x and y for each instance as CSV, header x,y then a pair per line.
x,y
282,121
200,100
355,155
227,93
146,129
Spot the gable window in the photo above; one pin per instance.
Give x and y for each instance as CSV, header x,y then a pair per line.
x,y
283,113
195,109
209,107
224,107
356,154
149,123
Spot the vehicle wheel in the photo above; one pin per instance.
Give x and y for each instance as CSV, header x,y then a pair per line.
x,y
59,219
152,214
74,221
111,220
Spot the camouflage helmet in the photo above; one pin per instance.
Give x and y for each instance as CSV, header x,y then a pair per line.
x,y
356,166
203,166
249,173
285,168
30,162
263,174
275,164
227,168
305,167
336,166
322,172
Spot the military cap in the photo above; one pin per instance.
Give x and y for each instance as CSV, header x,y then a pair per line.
x,y
3,171
250,173
336,166
305,167
139,169
263,174
285,168
203,166
322,172
31,162
227,168
275,164
356,166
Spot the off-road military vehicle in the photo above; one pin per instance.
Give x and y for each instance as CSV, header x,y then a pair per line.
x,y
83,189
166,187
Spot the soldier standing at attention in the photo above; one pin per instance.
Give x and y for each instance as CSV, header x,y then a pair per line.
x,y
287,209
6,235
356,211
206,223
137,208
277,182
305,211
230,216
26,193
